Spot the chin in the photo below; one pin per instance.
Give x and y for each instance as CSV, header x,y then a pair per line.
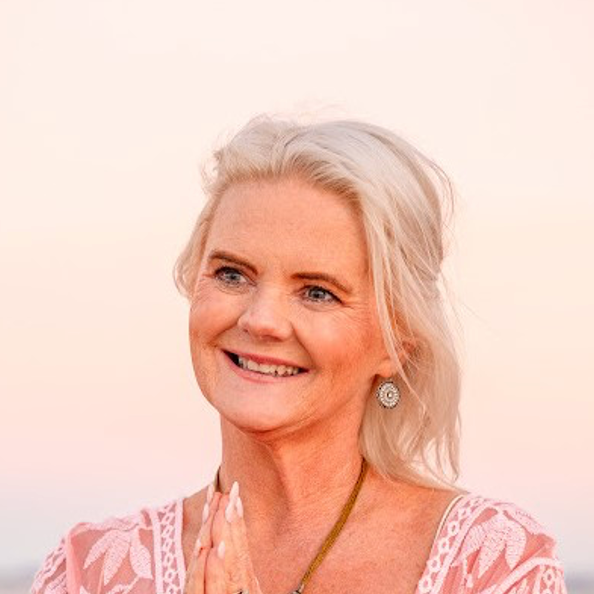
x,y
263,416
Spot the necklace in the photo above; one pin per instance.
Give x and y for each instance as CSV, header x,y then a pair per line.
x,y
336,529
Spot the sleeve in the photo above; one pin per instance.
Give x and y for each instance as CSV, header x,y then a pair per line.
x,y
539,573
51,577
107,558
505,551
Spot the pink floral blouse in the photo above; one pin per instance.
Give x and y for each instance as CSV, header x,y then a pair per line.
x,y
481,547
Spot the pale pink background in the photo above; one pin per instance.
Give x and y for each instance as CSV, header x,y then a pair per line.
x,y
106,109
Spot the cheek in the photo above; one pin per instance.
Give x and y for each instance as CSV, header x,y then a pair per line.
x,y
211,312
344,343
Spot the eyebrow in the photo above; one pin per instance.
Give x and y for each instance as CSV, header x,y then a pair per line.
x,y
231,258
311,276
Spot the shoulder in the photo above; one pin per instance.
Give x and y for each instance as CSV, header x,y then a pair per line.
x,y
491,546
110,556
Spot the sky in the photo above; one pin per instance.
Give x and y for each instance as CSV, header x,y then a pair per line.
x,y
108,109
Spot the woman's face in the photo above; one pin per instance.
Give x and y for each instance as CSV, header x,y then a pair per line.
x,y
283,325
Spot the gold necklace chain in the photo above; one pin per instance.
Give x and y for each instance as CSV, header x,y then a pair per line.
x,y
336,529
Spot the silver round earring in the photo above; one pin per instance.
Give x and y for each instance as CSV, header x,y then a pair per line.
x,y
388,394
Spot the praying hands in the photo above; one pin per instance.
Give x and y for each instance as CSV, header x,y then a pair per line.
x,y
220,562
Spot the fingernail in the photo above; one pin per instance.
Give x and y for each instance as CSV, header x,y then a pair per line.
x,y
229,511
205,513
197,547
239,507
234,490
209,493
221,549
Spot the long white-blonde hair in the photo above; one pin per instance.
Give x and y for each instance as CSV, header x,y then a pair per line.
x,y
402,198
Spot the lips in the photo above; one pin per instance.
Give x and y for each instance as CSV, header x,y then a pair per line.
x,y
265,366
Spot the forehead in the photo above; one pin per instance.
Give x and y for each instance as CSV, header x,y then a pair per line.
x,y
290,221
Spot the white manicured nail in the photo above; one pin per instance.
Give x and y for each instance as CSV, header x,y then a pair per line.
x,y
209,493
221,549
239,507
205,513
234,490
229,511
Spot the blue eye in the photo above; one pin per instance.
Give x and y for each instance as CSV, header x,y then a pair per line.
x,y
229,276
320,295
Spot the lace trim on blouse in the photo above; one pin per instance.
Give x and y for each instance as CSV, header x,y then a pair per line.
x,y
481,547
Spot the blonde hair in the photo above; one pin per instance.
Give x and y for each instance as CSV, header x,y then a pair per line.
x,y
400,195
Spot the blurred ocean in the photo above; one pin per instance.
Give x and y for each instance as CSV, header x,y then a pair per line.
x,y
17,582
20,582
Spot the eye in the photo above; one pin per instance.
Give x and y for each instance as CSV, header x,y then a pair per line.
x,y
320,295
229,276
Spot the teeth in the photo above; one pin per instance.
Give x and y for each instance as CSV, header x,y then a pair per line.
x,y
283,370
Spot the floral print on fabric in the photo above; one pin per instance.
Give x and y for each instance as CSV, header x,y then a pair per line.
x,y
491,547
120,540
483,547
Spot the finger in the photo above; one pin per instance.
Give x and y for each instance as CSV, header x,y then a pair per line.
x,y
241,541
225,573
239,532
214,571
222,575
238,535
196,569
209,512
235,562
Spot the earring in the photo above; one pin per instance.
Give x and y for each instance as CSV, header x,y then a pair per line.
x,y
388,394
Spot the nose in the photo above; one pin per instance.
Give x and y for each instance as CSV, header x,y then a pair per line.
x,y
265,316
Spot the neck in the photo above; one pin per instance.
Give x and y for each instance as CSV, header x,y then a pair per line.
x,y
294,482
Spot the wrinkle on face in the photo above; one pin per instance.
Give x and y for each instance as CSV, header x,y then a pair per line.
x,y
280,232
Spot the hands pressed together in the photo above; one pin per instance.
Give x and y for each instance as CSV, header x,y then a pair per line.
x,y
220,562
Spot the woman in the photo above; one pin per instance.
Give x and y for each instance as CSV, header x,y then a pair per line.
x,y
317,331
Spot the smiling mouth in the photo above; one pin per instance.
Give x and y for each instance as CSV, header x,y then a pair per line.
x,y
264,368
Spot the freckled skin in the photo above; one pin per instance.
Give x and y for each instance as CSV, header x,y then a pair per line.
x,y
282,229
